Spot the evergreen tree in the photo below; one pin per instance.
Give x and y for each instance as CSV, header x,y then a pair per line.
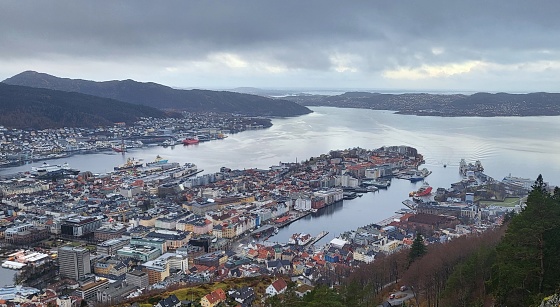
x,y
418,248
527,259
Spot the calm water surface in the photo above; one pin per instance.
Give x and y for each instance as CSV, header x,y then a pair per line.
x,y
522,146
6,277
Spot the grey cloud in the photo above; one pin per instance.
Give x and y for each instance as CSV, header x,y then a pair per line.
x,y
296,34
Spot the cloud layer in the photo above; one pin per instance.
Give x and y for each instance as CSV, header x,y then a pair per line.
x,y
431,45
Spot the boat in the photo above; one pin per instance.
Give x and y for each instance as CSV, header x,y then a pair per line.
x,y
464,167
119,149
68,170
168,142
130,164
46,171
424,190
300,239
313,210
381,184
158,160
203,138
349,195
190,141
416,178
361,190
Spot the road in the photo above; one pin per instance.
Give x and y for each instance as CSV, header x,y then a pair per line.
x,y
400,297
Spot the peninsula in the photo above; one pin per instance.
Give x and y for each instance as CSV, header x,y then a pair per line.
x,y
451,105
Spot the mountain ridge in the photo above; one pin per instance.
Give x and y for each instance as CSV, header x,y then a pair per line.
x,y
164,97
39,108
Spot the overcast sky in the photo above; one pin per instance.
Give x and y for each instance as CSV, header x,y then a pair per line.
x,y
374,44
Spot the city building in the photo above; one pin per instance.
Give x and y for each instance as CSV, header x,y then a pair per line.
x,y
110,247
79,226
114,293
214,259
158,243
74,262
139,253
108,232
88,291
138,278
110,267
161,267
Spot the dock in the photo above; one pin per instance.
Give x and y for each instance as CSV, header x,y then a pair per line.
x,y
321,235
389,220
265,230
410,204
288,222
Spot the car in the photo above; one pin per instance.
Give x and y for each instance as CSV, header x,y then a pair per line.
x,y
404,288
392,296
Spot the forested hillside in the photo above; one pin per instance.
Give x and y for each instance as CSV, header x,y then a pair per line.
x,y
164,97
27,107
515,265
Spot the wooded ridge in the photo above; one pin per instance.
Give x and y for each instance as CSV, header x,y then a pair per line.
x,y
164,97
27,107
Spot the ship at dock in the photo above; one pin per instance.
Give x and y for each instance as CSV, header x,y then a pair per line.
x,y
46,171
424,190
377,183
159,160
464,167
191,141
130,164
300,239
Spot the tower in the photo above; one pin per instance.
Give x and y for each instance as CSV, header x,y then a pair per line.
x,y
73,262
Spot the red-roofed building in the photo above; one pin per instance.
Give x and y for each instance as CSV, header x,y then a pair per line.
x,y
214,298
277,287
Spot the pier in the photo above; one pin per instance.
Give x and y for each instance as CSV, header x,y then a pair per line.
x,y
389,220
321,235
289,221
265,231
410,204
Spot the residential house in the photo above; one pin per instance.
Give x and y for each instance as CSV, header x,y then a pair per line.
x,y
277,287
214,298
278,266
171,301
244,296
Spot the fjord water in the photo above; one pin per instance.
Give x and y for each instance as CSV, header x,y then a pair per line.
x,y
522,146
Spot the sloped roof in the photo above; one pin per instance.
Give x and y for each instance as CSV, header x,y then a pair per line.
x,y
279,285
